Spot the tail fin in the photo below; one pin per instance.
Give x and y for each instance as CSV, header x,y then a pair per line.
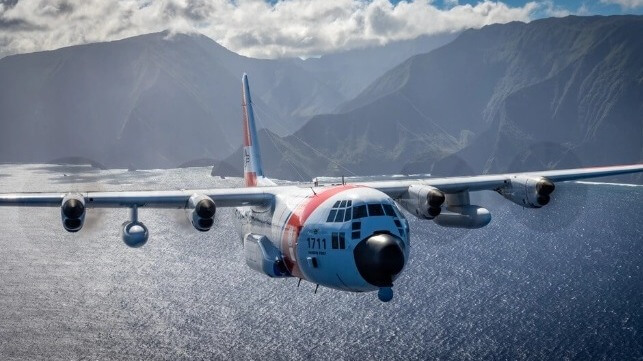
x,y
252,168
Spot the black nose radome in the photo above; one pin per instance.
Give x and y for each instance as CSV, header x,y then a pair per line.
x,y
379,259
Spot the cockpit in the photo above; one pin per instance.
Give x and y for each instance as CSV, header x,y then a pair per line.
x,y
347,210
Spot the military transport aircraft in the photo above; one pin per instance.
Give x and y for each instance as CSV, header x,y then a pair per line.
x,y
350,237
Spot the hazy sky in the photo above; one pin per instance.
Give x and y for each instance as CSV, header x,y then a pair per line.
x,y
270,28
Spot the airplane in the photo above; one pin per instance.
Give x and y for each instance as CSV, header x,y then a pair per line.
x,y
349,236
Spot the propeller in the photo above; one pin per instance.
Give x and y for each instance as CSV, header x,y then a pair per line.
x,y
68,175
564,202
180,219
207,179
452,165
84,178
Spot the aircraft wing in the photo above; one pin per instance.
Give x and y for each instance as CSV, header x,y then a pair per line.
x,y
495,181
223,197
234,197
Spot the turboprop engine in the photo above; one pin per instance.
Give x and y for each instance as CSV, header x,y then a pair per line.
x,y
201,211
424,202
529,192
72,212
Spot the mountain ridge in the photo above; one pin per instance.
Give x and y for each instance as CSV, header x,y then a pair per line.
x,y
569,90
150,101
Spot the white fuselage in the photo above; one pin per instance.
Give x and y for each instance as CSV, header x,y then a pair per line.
x,y
317,229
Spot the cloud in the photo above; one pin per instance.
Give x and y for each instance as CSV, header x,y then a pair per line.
x,y
251,27
553,10
625,4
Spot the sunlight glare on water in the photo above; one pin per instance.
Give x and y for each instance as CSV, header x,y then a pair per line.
x,y
524,287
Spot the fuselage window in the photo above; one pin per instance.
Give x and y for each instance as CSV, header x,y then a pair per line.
x,y
357,226
338,240
349,203
343,204
359,211
375,209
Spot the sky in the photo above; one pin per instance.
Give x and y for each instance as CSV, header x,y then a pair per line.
x,y
275,28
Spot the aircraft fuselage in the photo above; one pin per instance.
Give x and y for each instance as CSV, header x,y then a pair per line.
x,y
334,236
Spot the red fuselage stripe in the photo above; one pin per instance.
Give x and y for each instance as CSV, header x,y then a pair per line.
x,y
297,220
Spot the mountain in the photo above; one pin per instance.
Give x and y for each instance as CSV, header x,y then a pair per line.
x,y
163,100
153,101
350,72
555,92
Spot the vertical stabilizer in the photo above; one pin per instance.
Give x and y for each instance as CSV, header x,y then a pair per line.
x,y
252,168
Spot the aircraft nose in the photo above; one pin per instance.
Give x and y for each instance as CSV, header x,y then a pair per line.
x,y
379,259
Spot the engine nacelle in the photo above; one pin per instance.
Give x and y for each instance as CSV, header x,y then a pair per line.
x,y
134,234
262,256
466,216
201,211
72,212
424,202
529,192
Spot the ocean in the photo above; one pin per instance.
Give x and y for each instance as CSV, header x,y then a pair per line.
x,y
562,282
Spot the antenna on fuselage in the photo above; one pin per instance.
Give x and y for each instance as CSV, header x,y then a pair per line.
x,y
343,182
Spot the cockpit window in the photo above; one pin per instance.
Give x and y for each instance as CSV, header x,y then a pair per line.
x,y
348,215
341,212
340,215
331,215
359,211
344,211
388,209
375,209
